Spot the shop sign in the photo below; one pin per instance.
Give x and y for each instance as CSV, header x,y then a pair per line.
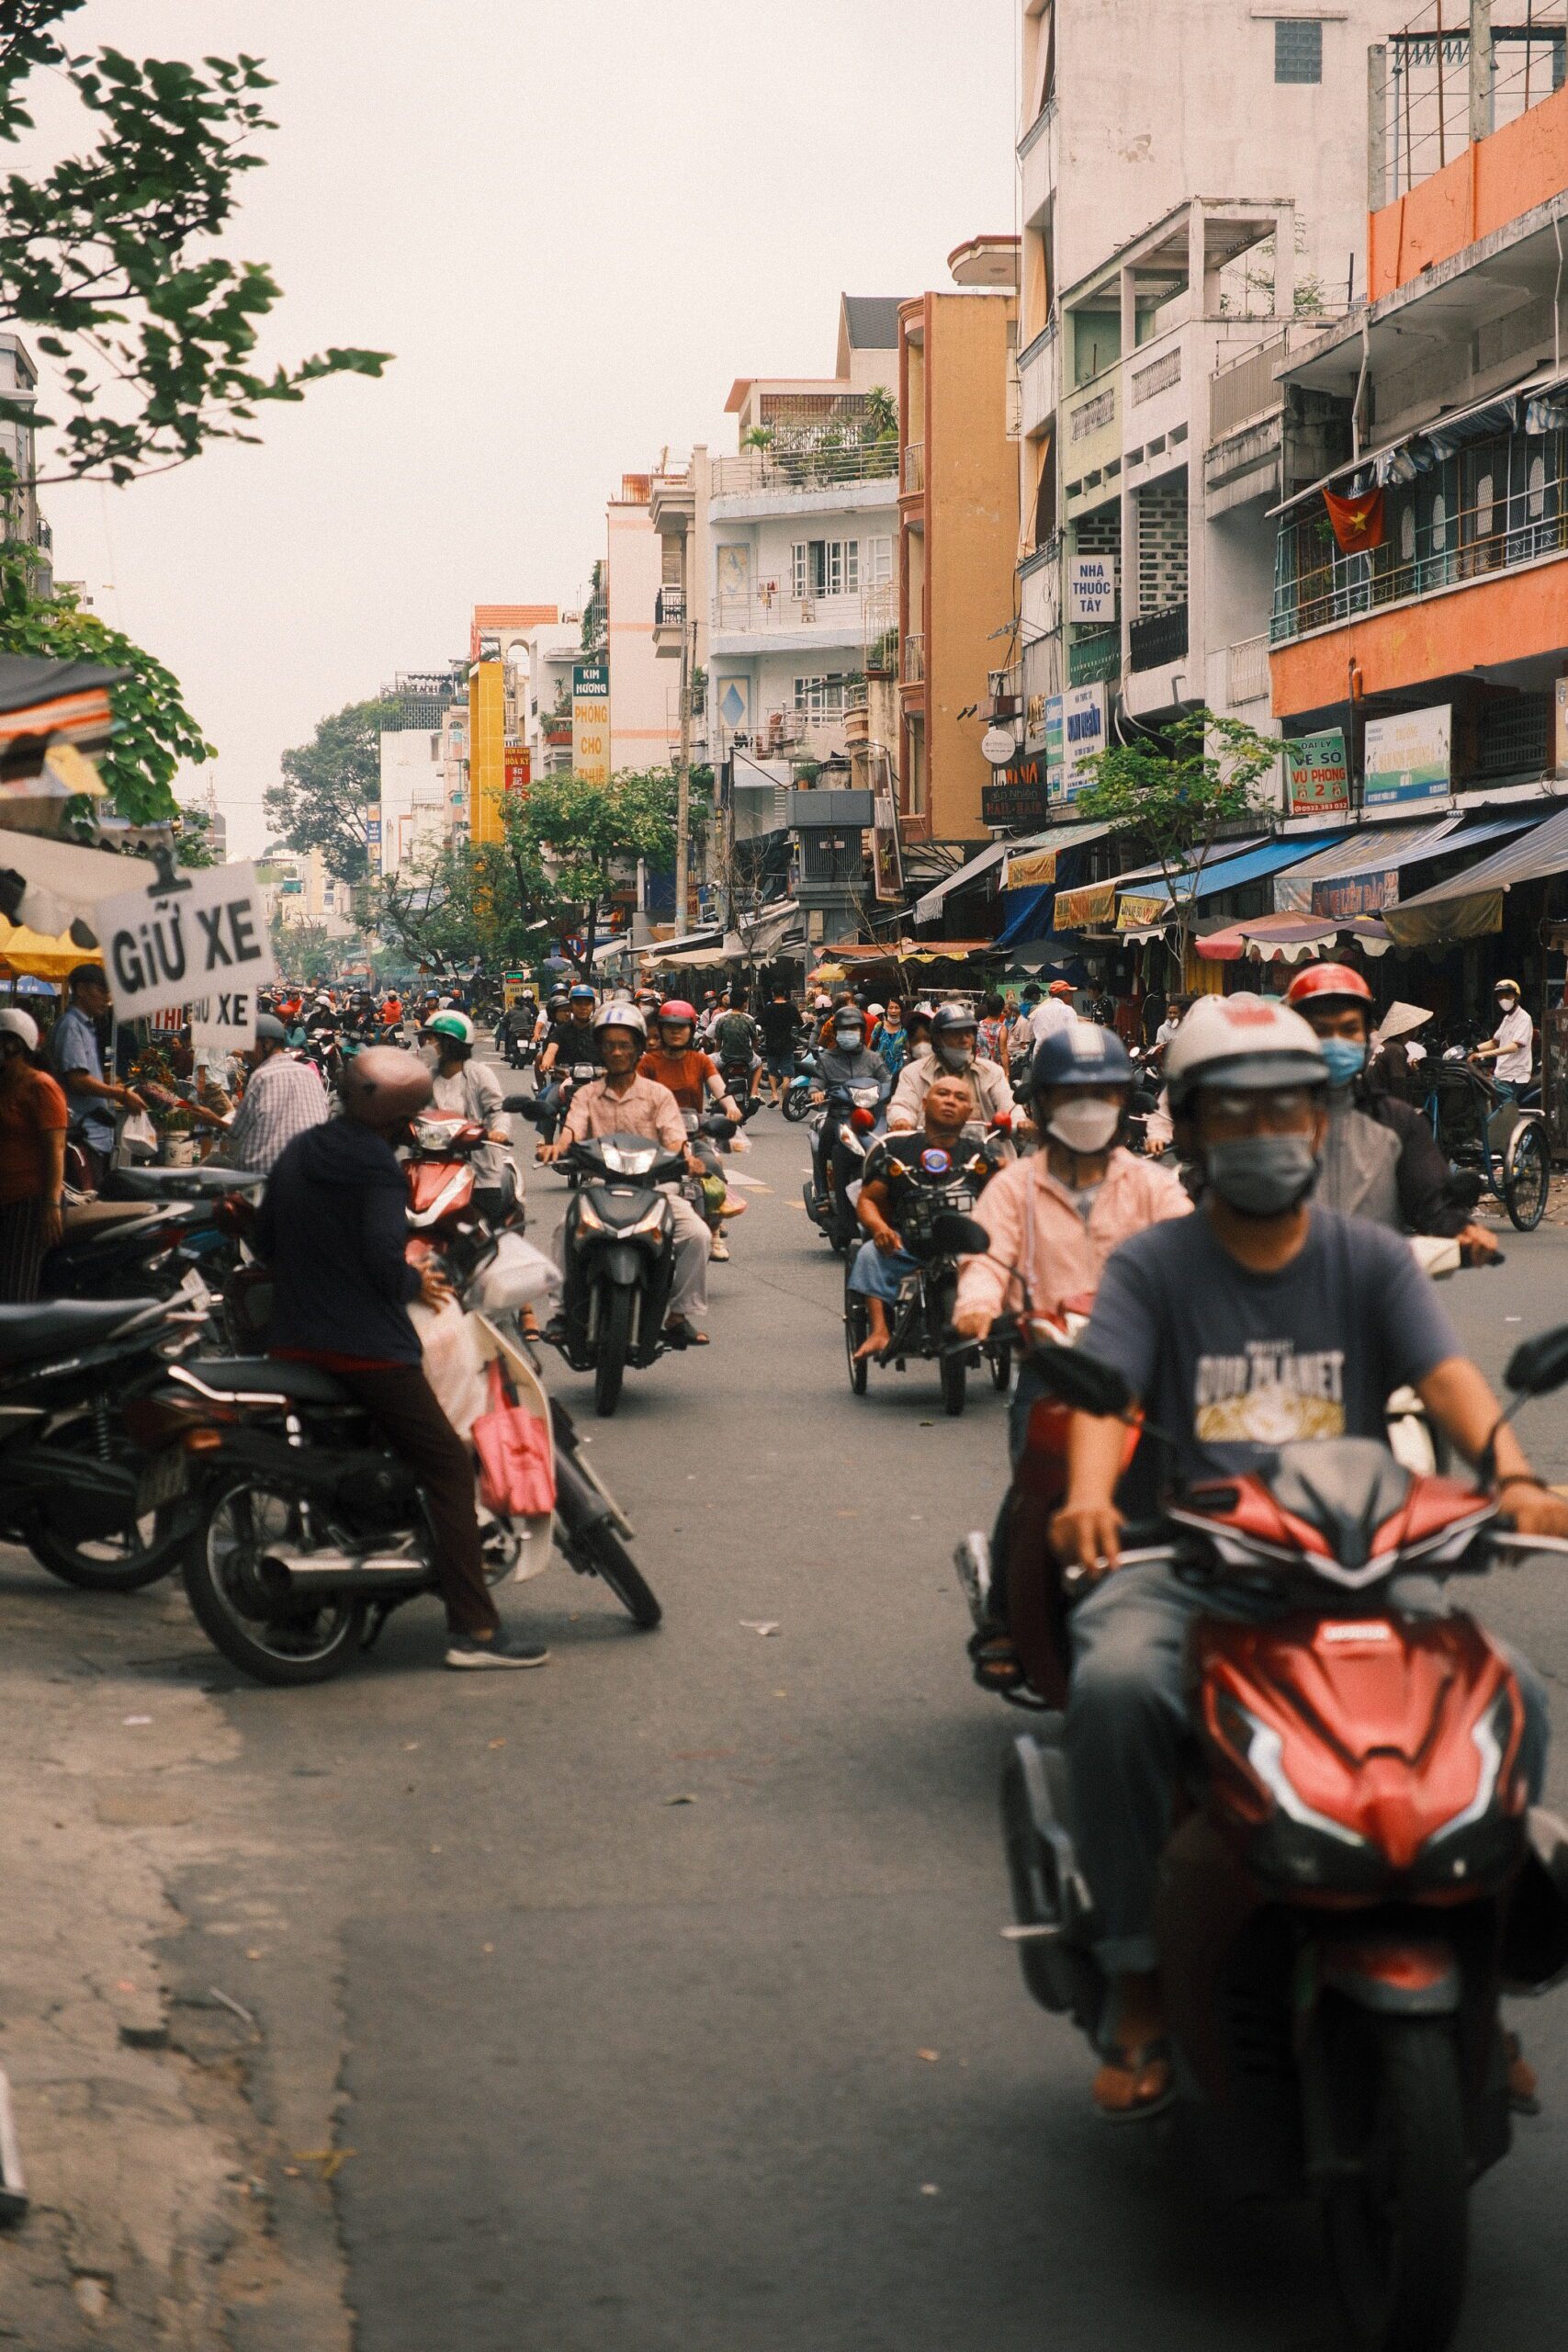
x,y
1408,758
1091,588
1316,777
591,721
1083,735
1357,893
225,1024
887,857
1016,796
1054,746
519,768
1085,910
1135,913
206,932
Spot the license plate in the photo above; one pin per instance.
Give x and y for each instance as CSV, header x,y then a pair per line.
x,y
163,1481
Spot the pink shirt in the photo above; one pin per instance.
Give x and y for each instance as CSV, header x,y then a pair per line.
x,y
1036,1227
645,1109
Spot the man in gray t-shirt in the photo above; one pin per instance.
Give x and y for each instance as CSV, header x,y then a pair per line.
x,y
1258,1321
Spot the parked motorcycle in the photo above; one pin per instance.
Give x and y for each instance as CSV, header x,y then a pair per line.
x,y
920,1319
76,1487
1357,1877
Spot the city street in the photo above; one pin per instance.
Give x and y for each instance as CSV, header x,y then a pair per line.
x,y
656,2000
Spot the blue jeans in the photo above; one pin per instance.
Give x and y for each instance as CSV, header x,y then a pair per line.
x,y
875,1275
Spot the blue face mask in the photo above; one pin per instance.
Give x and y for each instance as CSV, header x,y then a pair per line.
x,y
1345,1058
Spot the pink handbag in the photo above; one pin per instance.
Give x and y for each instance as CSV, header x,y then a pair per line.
x,y
516,1465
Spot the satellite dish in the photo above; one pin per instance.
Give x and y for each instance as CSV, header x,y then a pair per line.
x,y
998,746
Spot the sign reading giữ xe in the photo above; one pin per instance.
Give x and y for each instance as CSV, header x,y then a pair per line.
x,y
590,721
202,937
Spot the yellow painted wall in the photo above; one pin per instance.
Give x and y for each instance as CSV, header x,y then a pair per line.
x,y
487,750
971,478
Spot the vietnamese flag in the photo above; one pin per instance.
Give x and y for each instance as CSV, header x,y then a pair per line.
x,y
1357,522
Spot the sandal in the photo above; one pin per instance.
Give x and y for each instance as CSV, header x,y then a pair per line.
x,y
996,1661
681,1334
1135,2083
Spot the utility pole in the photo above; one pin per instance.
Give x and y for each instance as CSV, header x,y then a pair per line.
x,y
683,774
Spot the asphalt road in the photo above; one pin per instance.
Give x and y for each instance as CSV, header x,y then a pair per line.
x,y
672,2010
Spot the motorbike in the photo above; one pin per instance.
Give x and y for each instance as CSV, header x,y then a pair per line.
x,y
841,1133
920,1319
1354,1877
76,1487
804,1092
620,1259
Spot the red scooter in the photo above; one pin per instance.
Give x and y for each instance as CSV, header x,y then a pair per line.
x,y
1354,1877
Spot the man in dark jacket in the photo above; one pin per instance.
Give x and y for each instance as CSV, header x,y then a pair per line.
x,y
1380,1159
333,1227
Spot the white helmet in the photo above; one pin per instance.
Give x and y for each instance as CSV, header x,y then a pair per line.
x,y
621,1016
15,1023
1248,1042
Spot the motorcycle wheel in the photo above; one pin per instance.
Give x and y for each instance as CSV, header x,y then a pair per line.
x,y
615,1346
954,1382
609,1559
796,1104
1526,1179
237,1611
1397,2230
125,1561
857,1323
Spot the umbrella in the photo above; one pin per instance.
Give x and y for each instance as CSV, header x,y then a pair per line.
x,y
24,951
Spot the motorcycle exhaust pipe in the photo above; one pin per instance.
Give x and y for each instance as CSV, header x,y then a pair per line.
x,y
314,1575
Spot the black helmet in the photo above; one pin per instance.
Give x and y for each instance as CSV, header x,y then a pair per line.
x,y
269,1026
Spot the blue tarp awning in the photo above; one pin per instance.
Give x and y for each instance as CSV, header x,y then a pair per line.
x,y
1231,873
1026,914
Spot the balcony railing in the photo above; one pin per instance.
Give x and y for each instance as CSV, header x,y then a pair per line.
x,y
1501,506
1247,671
669,608
1155,639
766,610
914,657
1094,656
823,463
914,469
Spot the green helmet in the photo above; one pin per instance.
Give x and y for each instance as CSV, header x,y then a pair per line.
x,y
454,1025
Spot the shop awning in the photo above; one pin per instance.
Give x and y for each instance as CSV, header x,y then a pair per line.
x,y
1471,903
1025,867
1231,872
1291,936
1027,917
1383,849
60,880
1531,403
1056,839
33,954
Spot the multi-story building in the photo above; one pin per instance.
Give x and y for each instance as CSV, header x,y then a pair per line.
x,y
1192,190
639,731
1420,600
957,534
803,533
679,505
497,705
552,650
18,445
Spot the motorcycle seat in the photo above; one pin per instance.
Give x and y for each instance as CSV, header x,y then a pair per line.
x,y
140,1185
56,1325
269,1376
88,1220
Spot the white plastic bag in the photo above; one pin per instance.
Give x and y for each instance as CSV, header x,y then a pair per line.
x,y
518,1276
453,1356
137,1141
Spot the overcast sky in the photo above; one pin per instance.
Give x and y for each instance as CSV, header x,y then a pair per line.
x,y
575,225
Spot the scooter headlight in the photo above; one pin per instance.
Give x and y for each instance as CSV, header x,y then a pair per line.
x,y
588,1217
648,1224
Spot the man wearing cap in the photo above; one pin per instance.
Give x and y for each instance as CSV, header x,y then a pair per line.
x,y
1512,1049
1053,1013
1261,1319
76,1059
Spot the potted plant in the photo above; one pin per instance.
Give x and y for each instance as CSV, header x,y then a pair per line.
x,y
177,1139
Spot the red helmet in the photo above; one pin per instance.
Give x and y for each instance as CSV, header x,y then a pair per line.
x,y
1327,984
675,1008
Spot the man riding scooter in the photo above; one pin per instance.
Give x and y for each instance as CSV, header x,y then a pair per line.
x,y
954,1034
844,1068
1259,1319
693,1077
1380,1159
882,1261
572,1042
624,1103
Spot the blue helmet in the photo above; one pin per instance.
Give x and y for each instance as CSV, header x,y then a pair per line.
x,y
1084,1055
581,993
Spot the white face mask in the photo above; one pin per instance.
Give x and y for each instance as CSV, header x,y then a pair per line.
x,y
1088,1124
953,1057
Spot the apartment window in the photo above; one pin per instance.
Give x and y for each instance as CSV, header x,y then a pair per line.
x,y
1536,507
1298,49
878,561
820,697
824,568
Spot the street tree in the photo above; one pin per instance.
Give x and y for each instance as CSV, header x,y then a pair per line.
x,y
568,838
331,786
450,906
106,258
1176,793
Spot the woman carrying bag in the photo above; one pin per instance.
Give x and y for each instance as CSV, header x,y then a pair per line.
x,y
33,1119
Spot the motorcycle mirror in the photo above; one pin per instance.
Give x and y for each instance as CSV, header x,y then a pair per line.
x,y
958,1235
862,1120
1082,1381
1466,1186
1538,1366
523,1105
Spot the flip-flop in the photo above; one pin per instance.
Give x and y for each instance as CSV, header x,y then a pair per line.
x,y
684,1334
1135,2069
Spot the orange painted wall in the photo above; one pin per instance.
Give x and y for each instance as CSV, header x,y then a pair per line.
x,y
1523,164
1503,619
